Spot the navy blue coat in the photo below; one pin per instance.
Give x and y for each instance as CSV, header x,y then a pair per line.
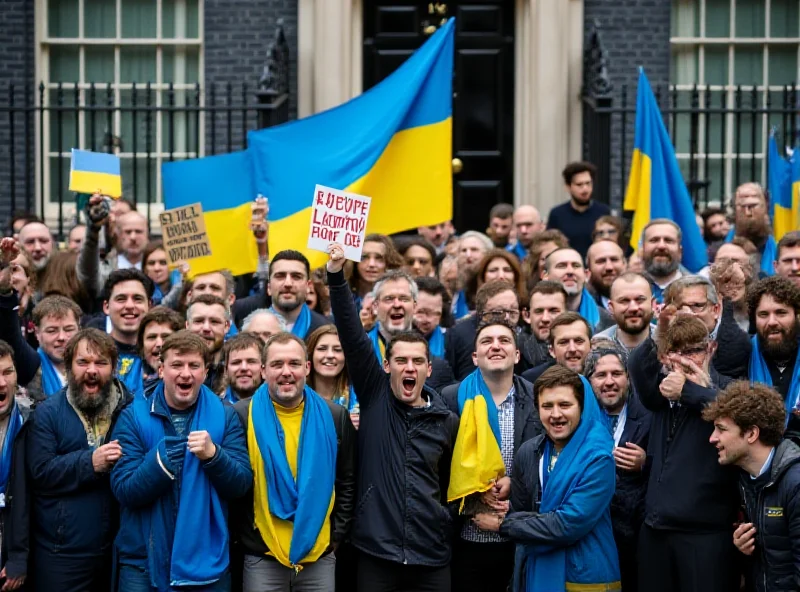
x,y
73,512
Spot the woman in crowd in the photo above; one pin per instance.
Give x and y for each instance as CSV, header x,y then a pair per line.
x,y
499,264
377,257
23,280
317,297
62,278
328,375
167,285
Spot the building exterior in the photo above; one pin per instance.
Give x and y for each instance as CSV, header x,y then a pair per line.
x,y
537,83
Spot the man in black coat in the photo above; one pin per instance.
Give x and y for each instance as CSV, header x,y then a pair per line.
x,y
748,433
691,502
403,526
629,423
483,561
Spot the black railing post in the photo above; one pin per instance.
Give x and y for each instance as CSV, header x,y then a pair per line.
x,y
274,81
598,103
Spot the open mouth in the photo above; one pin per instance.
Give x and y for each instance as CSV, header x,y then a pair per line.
x,y
557,426
397,317
497,357
91,386
3,396
184,387
408,385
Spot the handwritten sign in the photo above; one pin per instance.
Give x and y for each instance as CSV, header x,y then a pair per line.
x,y
338,217
184,234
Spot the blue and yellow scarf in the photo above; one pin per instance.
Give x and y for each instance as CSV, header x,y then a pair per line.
x,y
477,459
377,343
292,514
303,322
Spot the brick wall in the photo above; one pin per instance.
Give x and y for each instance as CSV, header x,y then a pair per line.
x,y
16,68
635,33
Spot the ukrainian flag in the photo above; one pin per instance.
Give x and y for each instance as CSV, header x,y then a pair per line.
x,y
92,172
656,188
783,193
477,460
392,143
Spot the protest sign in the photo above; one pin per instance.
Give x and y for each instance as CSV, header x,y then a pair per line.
x,y
184,234
338,217
95,172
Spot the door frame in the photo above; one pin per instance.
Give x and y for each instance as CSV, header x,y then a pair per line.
x,y
548,65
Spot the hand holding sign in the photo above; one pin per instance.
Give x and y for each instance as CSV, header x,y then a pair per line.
x,y
338,217
337,258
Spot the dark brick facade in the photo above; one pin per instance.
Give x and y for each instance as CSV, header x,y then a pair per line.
x,y
17,69
635,33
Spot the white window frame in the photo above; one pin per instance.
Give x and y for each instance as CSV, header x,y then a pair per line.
x,y
42,74
763,88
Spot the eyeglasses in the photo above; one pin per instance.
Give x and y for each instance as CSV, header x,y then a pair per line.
x,y
695,307
500,313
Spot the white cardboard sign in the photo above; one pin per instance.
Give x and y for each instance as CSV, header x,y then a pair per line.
x,y
338,217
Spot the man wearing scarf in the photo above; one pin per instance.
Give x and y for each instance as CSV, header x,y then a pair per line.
x,y
209,317
565,266
561,492
432,301
243,360
14,525
302,451
68,456
159,323
395,299
289,282
629,424
495,407
185,459
774,304
752,222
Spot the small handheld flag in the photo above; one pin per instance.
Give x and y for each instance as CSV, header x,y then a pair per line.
x,y
95,172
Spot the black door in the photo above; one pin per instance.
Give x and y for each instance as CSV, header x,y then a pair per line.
x,y
483,89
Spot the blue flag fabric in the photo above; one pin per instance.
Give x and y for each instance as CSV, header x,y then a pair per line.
x,y
131,372
14,425
768,255
302,323
520,251
436,342
758,372
588,309
51,381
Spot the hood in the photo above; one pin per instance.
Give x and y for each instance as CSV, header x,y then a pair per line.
x,y
786,454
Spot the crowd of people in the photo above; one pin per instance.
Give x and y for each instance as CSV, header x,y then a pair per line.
x,y
534,408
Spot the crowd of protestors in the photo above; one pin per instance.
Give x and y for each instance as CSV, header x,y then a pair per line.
x,y
544,408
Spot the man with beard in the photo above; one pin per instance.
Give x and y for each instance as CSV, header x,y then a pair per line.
x,y
629,423
395,299
565,266
472,246
527,223
774,304
185,460
576,218
406,435
748,433
263,323
209,317
548,300
159,323
36,240
661,252
291,545
501,218
243,360
631,305
787,263
752,222
570,343
732,274
691,501
605,261
68,457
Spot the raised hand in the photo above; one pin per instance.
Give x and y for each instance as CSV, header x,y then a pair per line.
x,y
97,210
336,261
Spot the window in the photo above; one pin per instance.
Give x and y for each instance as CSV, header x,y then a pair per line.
x,y
92,53
742,55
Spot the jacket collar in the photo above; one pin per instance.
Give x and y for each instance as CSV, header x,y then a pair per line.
x,y
786,454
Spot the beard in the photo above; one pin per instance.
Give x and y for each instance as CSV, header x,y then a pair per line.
x,y
287,307
599,285
785,348
248,392
89,404
660,268
754,229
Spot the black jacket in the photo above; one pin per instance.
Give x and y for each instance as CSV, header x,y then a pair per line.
x,y
404,455
534,373
627,507
732,357
532,352
242,515
527,424
26,360
772,504
687,489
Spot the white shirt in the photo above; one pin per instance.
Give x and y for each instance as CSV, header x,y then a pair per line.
x,y
123,263
766,465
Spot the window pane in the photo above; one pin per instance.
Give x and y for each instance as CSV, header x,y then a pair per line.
x,y
718,18
144,120
181,64
782,64
98,123
716,65
139,19
137,64
685,18
750,18
748,66
99,18
714,174
64,64
681,124
135,185
63,126
684,65
59,179
180,19
784,18
62,18
782,117
749,170
99,63
714,129
192,19
748,124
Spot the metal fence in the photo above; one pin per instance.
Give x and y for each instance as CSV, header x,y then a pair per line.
x,y
720,133
145,124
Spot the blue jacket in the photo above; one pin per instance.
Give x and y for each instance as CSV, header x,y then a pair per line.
x,y
73,512
138,481
583,525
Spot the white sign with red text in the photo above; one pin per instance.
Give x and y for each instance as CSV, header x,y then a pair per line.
x,y
338,217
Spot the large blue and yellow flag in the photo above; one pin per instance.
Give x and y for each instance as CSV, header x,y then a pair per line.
x,y
393,144
784,209
477,458
656,188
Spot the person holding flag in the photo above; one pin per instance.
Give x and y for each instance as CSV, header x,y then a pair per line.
x,y
302,451
497,416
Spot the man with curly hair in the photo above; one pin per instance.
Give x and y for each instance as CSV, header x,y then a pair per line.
x,y
748,426
774,304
